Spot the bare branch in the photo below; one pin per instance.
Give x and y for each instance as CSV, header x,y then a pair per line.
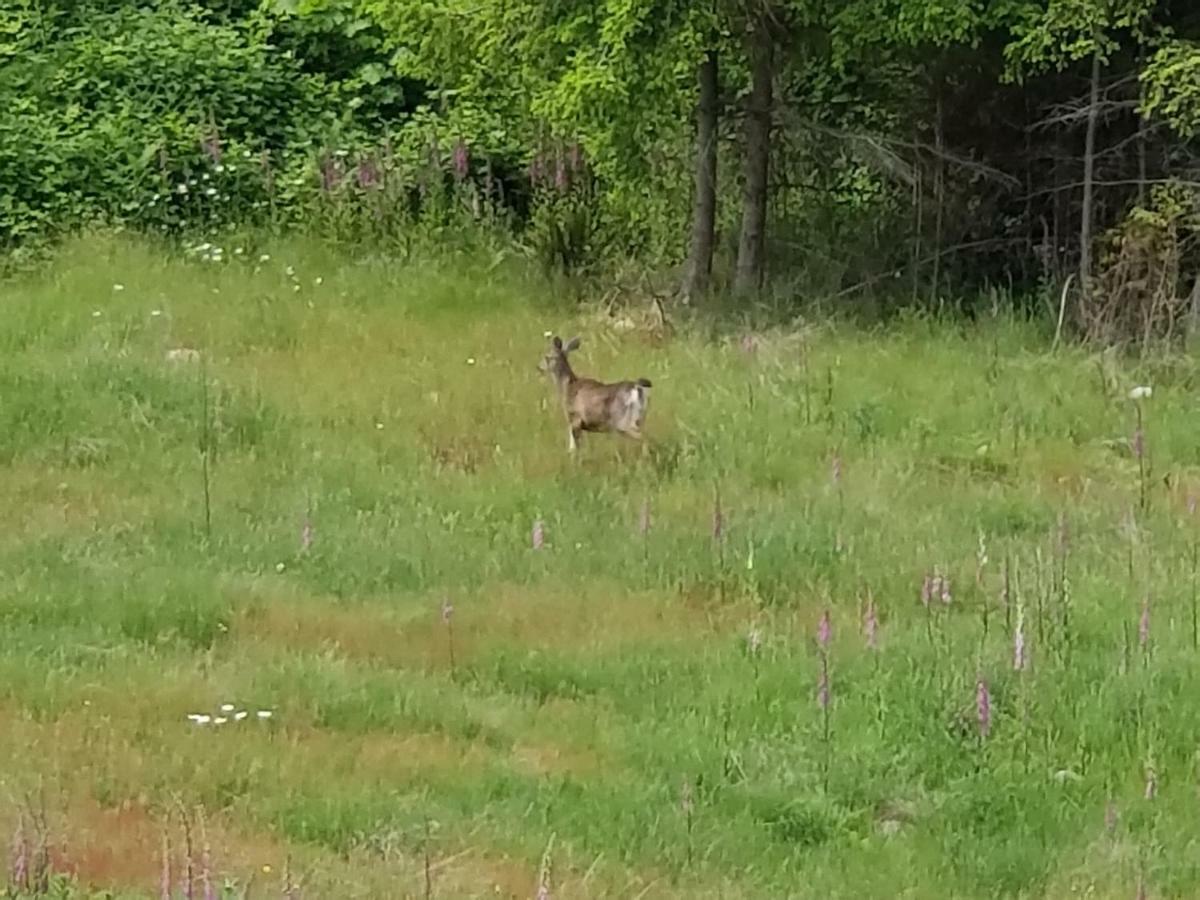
x,y
883,149
1077,113
1120,182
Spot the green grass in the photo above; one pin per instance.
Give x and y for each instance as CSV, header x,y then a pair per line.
x,y
398,406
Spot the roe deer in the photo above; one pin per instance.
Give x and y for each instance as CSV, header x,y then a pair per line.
x,y
590,405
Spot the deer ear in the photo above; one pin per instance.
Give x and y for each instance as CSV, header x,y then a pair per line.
x,y
572,344
557,342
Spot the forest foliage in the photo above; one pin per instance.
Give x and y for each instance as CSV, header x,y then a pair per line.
x,y
900,148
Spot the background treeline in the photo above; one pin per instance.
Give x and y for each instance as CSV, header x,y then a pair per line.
x,y
895,151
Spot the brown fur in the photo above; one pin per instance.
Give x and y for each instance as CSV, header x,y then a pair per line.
x,y
591,405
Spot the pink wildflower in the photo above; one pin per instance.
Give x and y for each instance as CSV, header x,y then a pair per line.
x,y
983,704
164,887
824,630
462,160
538,535
19,868
368,173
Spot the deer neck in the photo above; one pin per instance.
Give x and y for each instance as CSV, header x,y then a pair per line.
x,y
564,377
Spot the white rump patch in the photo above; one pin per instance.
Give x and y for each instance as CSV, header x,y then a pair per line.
x,y
636,401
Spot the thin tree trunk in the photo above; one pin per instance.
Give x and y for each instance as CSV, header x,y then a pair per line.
x,y
1058,231
751,258
704,208
918,202
939,190
1029,221
1089,170
1141,146
1141,139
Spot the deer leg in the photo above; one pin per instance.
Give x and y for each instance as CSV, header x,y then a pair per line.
x,y
573,435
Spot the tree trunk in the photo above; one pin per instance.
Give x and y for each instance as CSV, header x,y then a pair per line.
x,y
1141,137
1089,170
751,258
1029,218
704,205
918,202
939,192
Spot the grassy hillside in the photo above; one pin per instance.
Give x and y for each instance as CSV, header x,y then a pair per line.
x,y
380,445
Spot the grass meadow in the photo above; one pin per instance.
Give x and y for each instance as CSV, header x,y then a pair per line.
x,y
769,655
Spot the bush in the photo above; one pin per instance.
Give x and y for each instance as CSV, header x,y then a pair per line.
x,y
155,117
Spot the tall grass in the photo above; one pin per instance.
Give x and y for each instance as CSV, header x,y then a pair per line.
x,y
377,446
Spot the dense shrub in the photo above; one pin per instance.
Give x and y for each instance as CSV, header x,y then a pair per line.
x,y
178,116
152,116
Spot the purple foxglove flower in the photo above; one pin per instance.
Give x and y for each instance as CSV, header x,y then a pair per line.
x,y
462,160
824,630
983,704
